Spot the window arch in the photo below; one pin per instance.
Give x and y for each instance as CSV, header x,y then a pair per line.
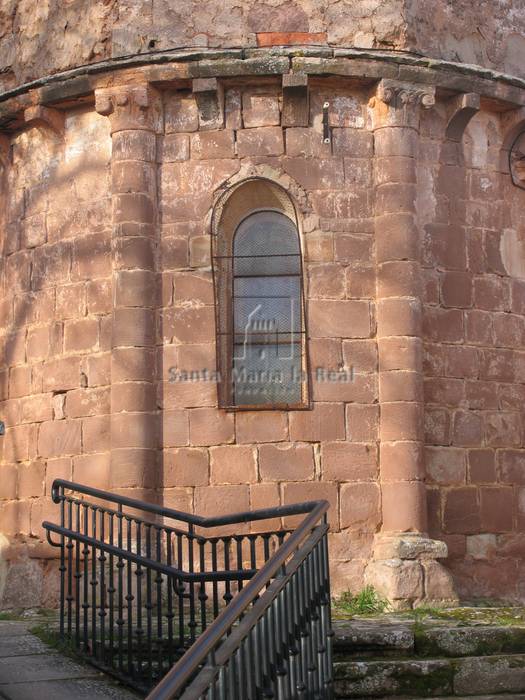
x,y
260,310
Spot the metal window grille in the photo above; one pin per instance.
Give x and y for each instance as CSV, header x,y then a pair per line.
x,y
260,309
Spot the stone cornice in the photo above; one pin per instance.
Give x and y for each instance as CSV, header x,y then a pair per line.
x,y
501,91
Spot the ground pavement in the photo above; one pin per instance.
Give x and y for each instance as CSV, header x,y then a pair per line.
x,y
31,670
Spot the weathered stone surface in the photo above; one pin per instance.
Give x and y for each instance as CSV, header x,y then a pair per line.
x,y
360,637
409,547
454,641
357,679
497,674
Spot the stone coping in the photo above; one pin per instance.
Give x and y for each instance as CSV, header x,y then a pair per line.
x,y
184,65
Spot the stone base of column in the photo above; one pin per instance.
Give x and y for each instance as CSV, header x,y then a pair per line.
x,y
405,571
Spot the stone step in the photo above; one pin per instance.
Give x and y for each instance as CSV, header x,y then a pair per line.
x,y
479,640
372,638
425,678
505,696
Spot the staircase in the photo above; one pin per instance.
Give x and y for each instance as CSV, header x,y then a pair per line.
x,y
390,658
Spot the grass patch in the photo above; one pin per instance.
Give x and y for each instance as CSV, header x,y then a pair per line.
x,y
366,602
9,615
51,637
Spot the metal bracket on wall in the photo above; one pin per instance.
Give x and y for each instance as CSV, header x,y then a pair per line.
x,y
327,137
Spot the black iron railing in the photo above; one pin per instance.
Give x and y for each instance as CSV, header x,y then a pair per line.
x,y
238,613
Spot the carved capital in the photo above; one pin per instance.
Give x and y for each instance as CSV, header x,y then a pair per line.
x,y
130,107
398,103
45,117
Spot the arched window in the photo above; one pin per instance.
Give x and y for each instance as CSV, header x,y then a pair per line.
x,y
261,343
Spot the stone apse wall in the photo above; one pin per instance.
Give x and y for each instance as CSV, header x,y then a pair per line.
x,y
413,244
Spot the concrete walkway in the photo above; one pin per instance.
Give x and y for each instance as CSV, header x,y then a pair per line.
x,y
30,670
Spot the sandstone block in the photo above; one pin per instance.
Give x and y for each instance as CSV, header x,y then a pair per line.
x,y
339,318
261,426
260,141
34,231
19,381
175,428
59,468
264,496
186,467
38,343
136,144
96,435
305,142
326,281
461,511
413,516
233,464
92,469
135,252
286,462
467,429
81,335
324,422
57,438
132,364
210,426
181,114
134,430
398,316
193,324
315,173
496,506
259,109
221,500
91,257
360,506
343,461
301,491
174,148
491,293
31,479
208,145
401,582
481,546
446,465
362,423
133,327
409,546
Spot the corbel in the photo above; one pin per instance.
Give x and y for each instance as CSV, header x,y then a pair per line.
x,y
295,99
460,110
209,95
5,150
45,117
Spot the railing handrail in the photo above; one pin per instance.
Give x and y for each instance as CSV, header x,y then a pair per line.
x,y
190,518
211,637
196,577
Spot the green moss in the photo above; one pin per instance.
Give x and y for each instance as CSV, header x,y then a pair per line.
x,y
416,683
